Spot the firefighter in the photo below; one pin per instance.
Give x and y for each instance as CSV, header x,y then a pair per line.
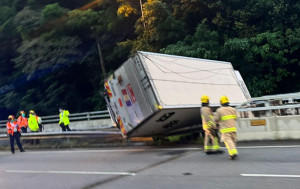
x,y
13,130
64,121
23,122
33,125
211,144
226,117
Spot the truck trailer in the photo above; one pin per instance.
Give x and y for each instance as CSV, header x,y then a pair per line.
x,y
154,94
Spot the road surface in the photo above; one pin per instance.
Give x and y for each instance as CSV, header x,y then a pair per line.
x,y
271,165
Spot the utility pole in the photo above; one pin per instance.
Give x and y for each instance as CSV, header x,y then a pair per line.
x,y
99,52
142,13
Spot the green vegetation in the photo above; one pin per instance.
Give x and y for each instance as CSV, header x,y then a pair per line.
x,y
49,55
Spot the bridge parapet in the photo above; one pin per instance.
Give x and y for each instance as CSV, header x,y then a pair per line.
x,y
79,121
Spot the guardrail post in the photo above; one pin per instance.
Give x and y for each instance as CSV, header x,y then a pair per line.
x,y
88,116
268,112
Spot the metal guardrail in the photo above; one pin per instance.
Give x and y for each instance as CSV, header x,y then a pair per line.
x,y
70,134
85,116
269,108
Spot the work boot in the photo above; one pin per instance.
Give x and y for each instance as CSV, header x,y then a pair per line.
x,y
233,157
22,150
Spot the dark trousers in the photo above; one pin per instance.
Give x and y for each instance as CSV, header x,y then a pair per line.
x,y
12,139
64,127
24,129
40,127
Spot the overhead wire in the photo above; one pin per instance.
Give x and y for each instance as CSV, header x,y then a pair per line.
x,y
157,65
197,69
192,82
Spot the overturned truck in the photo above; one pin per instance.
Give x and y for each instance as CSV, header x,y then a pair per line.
x,y
157,94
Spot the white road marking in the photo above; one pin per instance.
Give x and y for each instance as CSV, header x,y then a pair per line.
x,y
256,147
71,172
108,151
270,175
142,150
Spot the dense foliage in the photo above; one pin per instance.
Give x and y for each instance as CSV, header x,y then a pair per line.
x,y
49,55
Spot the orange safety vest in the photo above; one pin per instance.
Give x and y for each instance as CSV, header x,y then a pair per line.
x,y
11,127
22,121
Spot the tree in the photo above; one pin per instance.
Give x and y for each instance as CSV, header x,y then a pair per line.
x,y
51,12
25,21
203,44
160,28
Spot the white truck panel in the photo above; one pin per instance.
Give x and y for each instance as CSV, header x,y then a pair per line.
x,y
182,81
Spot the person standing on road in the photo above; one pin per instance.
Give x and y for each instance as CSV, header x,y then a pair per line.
x,y
64,121
211,144
39,121
13,130
33,125
226,116
23,122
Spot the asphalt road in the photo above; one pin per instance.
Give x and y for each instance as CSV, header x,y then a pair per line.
x,y
272,165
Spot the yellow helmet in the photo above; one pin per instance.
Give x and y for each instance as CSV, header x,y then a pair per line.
x,y
204,99
11,117
224,99
31,112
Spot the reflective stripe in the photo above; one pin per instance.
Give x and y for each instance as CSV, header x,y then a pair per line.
x,y
227,146
216,141
207,147
227,117
228,130
206,127
216,147
233,151
216,144
211,123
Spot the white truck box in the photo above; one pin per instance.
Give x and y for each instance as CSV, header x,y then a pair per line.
x,y
157,94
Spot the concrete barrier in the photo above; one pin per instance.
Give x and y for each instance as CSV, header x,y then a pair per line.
x,y
269,128
76,125
81,125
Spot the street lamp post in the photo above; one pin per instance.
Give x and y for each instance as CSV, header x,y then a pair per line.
x,y
99,52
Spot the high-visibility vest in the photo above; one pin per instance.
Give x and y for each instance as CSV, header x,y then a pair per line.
x,y
64,117
22,121
12,127
32,123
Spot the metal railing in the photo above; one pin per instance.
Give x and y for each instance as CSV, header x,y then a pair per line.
x,y
273,105
85,116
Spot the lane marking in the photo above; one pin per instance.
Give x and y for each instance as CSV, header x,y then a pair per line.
x,y
71,172
143,150
107,151
256,147
270,175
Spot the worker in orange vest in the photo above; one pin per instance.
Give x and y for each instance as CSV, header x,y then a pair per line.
x,y
23,122
13,130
